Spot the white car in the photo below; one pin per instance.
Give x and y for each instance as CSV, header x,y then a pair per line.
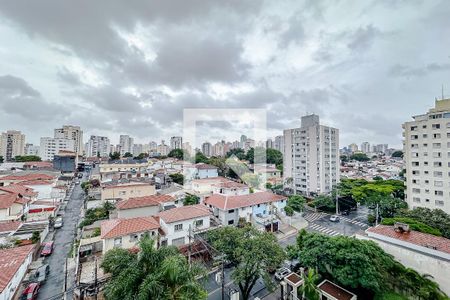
x,y
58,223
334,218
281,273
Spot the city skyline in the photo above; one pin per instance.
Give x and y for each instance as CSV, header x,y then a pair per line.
x,y
370,70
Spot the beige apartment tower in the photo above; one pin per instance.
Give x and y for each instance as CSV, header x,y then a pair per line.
x,y
311,157
426,149
12,144
72,133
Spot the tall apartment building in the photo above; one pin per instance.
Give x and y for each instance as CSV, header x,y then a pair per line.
x,y
98,146
126,144
279,143
353,148
176,142
311,157
365,147
12,144
163,149
426,149
207,149
72,133
50,147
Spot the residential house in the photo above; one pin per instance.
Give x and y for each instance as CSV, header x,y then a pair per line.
x,y
143,206
199,171
12,206
176,191
425,253
219,185
177,222
126,233
14,263
259,207
113,191
24,177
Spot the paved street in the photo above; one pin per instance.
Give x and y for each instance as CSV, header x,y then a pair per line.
x,y
63,242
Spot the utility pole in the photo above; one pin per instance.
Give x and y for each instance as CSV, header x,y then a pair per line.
x,y
376,216
189,246
65,279
223,277
337,201
95,278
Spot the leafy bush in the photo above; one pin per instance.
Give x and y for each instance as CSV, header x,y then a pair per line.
x,y
436,218
413,224
289,210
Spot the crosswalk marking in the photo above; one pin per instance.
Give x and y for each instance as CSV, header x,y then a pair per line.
x,y
324,230
361,224
314,216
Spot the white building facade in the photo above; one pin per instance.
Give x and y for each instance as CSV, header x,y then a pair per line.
x,y
49,147
98,146
12,144
311,157
72,133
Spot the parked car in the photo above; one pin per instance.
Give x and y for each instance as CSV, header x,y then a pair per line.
x,y
334,218
281,273
47,249
31,291
345,212
58,223
40,274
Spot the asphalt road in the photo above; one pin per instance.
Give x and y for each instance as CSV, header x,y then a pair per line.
x,y
63,239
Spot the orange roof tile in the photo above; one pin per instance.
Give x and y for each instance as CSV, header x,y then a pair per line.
x,y
19,189
414,237
10,261
6,200
120,227
230,202
184,213
144,201
8,226
28,177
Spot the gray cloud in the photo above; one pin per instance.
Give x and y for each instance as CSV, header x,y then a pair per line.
x,y
409,71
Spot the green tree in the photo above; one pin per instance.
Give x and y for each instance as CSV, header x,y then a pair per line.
x,y
359,157
220,163
1,159
324,201
26,158
436,218
177,153
200,158
397,153
297,202
114,156
309,287
141,156
191,200
35,237
177,178
289,210
252,180
413,225
252,252
128,154
238,152
151,274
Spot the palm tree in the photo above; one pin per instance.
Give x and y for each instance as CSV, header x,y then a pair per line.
x,y
151,274
309,288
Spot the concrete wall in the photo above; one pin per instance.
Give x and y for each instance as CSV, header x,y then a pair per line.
x,y
125,192
138,212
127,241
171,234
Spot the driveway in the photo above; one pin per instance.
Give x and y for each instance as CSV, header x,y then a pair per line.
x,y
63,239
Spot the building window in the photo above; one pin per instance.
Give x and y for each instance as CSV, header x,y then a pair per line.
x,y
178,242
436,126
231,211
231,222
439,193
134,237
439,202
438,183
178,227
118,242
416,191
416,200
198,223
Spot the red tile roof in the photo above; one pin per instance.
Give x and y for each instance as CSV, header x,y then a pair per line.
x,y
184,213
122,185
19,189
230,202
220,181
10,261
202,166
8,226
120,227
144,201
6,200
28,177
35,182
38,164
413,237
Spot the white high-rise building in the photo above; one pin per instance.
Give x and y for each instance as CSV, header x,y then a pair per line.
x,y
426,149
279,143
365,147
12,144
311,157
98,146
51,146
163,149
269,144
72,133
126,144
176,142
31,149
353,148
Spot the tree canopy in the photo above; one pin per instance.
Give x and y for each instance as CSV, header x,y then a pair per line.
x,y
296,202
359,157
177,153
25,158
436,218
191,200
238,152
177,178
253,253
114,156
128,154
151,274
397,153
200,158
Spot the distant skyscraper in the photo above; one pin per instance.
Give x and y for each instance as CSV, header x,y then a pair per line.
x,y
427,158
31,149
98,146
72,133
50,147
365,147
163,149
269,144
279,143
126,144
311,157
12,144
176,142
207,149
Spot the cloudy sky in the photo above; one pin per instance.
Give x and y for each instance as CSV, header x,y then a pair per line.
x,y
131,67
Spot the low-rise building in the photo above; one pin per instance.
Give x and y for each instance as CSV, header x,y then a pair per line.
x,y
199,171
12,206
331,291
259,207
14,263
123,190
425,253
143,206
126,233
219,185
178,223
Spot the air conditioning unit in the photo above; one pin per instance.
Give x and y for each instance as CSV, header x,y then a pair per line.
x,y
401,227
